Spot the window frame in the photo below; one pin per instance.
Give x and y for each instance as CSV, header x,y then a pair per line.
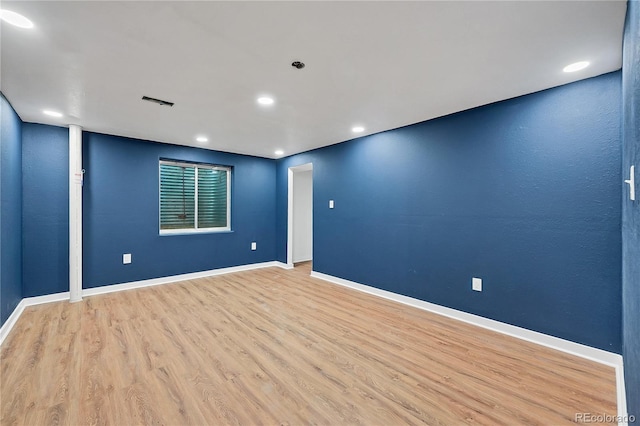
x,y
196,166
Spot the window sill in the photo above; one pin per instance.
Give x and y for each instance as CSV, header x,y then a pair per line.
x,y
194,232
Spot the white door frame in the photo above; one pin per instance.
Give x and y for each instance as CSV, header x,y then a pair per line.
x,y
290,177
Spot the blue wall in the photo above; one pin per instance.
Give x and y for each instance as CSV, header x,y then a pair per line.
x,y
10,210
121,213
523,193
45,211
631,210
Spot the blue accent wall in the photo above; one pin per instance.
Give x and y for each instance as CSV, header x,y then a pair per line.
x,y
121,213
523,193
45,211
10,210
631,209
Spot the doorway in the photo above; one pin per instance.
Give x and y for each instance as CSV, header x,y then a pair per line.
x,y
300,214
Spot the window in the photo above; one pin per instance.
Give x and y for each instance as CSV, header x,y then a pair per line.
x,y
194,197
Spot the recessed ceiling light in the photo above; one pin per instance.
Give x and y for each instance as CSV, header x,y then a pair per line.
x,y
577,66
14,18
357,129
279,152
202,139
265,100
52,113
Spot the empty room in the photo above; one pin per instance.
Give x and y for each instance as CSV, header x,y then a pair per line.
x,y
313,212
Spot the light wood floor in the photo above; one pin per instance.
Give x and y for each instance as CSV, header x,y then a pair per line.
x,y
278,347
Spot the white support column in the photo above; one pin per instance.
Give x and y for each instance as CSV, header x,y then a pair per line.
x,y
75,213
290,217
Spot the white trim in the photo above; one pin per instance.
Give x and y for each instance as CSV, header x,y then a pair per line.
x,y
11,321
175,278
598,355
284,265
28,301
47,298
621,394
189,231
290,217
195,229
593,354
56,297
195,200
301,168
201,165
76,179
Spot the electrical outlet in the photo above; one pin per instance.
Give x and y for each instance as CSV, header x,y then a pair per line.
x,y
126,258
253,246
476,284
330,204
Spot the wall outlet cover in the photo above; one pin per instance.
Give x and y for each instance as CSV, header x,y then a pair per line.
x,y
253,246
126,258
476,284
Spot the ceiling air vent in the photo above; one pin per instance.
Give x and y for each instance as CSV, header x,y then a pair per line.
x,y
157,101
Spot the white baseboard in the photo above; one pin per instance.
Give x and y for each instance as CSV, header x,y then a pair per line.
x,y
56,297
28,301
11,321
175,278
283,265
598,355
47,298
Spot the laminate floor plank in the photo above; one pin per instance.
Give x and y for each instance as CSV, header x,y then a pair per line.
x,y
271,347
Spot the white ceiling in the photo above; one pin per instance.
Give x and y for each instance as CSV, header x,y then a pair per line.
x,y
379,64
